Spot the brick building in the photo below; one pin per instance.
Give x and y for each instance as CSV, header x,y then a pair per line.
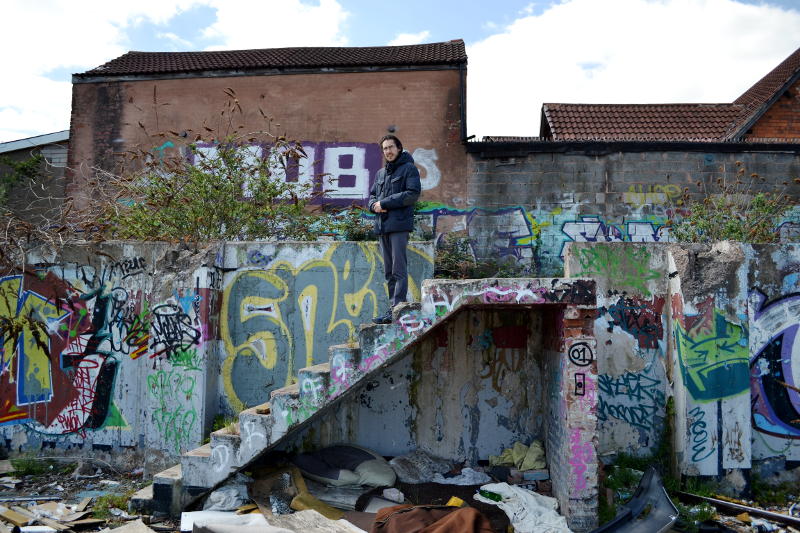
x,y
337,101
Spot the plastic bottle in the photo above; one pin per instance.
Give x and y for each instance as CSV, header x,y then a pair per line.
x,y
490,495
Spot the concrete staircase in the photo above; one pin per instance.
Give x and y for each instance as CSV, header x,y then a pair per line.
x,y
321,387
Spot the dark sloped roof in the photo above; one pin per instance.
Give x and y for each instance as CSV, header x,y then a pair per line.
x,y
662,122
670,122
134,63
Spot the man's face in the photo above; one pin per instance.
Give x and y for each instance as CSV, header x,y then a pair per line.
x,y
390,150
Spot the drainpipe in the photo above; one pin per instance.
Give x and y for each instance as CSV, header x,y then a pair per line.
x,y
463,90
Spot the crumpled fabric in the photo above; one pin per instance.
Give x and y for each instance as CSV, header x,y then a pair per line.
x,y
527,511
467,476
521,457
230,496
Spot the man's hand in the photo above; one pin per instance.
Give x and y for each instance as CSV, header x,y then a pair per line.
x,y
377,208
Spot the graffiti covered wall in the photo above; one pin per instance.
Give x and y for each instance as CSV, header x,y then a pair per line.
x,y
774,354
529,204
107,348
285,303
133,346
631,334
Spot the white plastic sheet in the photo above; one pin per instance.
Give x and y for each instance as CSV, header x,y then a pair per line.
x,y
528,511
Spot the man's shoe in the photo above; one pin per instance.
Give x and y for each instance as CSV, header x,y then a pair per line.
x,y
385,318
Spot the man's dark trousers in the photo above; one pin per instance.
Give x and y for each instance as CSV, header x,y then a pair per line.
x,y
393,248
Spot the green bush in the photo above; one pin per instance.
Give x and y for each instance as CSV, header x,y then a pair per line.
x,y
735,212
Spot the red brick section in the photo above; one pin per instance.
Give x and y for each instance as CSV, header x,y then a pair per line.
x,y
782,119
132,63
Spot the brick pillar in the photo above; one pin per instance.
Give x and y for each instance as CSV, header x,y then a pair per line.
x,y
579,448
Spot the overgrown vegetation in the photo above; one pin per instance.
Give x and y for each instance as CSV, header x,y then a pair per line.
x,y
103,504
735,211
353,224
455,260
13,172
30,465
231,186
766,494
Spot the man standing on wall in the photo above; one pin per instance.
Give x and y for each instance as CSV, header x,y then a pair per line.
x,y
392,199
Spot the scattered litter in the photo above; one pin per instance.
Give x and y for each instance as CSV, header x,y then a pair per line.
x,y
431,518
763,525
37,529
419,467
312,522
344,465
339,497
744,517
468,476
9,482
230,496
208,520
527,511
119,513
92,494
377,503
109,482
394,495
131,527
522,457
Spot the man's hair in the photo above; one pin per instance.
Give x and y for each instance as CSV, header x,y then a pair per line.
x,y
392,138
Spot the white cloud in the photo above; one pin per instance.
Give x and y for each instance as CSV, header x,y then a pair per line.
x,y
627,51
243,24
176,40
39,37
410,38
47,35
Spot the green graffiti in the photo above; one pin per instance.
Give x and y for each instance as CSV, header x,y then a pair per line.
x,y
624,266
714,359
187,359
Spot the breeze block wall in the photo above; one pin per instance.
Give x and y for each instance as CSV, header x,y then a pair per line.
x,y
528,200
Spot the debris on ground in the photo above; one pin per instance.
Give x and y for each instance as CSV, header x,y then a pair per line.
x,y
527,511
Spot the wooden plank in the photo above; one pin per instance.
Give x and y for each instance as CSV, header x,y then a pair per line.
x,y
58,526
84,503
4,528
10,515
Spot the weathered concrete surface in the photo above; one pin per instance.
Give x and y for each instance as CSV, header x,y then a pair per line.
x,y
145,343
632,337
713,326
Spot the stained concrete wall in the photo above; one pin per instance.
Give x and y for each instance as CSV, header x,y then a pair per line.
x,y
714,328
471,389
144,344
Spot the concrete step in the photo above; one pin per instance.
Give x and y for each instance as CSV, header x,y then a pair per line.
x,y
225,444
255,431
285,405
195,466
142,501
344,360
167,492
314,382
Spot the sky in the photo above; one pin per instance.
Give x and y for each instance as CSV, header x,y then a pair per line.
x,y
520,53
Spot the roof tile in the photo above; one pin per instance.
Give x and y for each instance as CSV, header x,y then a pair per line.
x,y
136,63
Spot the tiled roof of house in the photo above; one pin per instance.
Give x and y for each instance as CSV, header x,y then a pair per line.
x,y
668,122
662,122
143,63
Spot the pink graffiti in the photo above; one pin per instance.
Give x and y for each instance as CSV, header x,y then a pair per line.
x,y
582,453
509,294
588,401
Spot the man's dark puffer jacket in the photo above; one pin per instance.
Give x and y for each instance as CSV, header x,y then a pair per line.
x,y
397,188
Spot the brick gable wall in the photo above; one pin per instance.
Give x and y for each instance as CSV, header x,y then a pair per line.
x,y
782,120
